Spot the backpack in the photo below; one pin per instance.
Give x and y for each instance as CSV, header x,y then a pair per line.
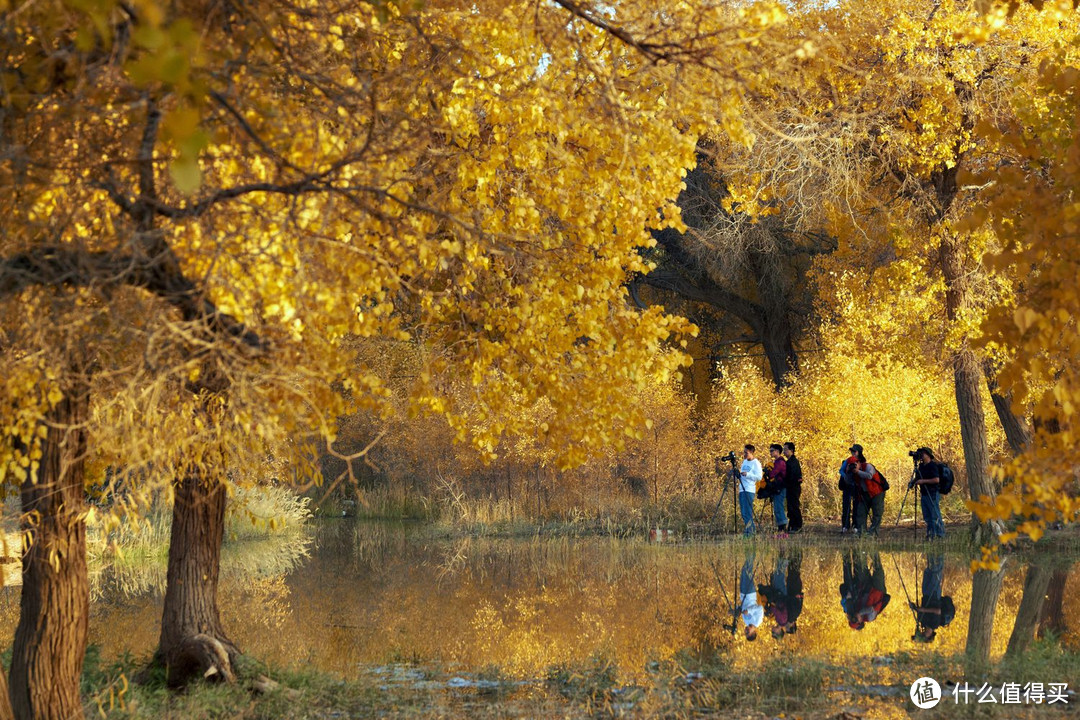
x,y
946,480
882,480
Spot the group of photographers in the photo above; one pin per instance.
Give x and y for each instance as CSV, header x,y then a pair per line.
x,y
862,486
783,487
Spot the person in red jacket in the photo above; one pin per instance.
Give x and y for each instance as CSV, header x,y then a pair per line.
x,y
871,493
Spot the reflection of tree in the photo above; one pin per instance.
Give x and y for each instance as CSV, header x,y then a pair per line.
x,y
242,562
1052,619
1036,582
985,589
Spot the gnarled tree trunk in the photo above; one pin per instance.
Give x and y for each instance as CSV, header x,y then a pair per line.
x,y
50,640
192,639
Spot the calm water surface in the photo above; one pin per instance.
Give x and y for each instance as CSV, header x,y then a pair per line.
x,y
369,594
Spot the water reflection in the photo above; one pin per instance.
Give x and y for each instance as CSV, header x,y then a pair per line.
x,y
372,594
862,593
932,609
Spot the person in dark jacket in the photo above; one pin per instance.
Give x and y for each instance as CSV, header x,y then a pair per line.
x,y
794,489
929,479
849,500
776,480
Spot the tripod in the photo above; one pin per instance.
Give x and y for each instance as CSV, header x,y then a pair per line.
x,y
728,477
911,484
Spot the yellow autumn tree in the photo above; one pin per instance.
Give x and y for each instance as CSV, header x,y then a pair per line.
x,y
204,200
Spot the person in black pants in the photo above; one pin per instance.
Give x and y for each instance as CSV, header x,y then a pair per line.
x,y
848,491
794,489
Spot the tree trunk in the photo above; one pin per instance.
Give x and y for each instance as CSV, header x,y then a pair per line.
x,y
1027,615
192,639
780,352
50,640
6,713
1016,430
985,589
968,379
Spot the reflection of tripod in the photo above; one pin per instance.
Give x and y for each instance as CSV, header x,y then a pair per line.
x,y
728,477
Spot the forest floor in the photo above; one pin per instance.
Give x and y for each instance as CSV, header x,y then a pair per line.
x,y
804,688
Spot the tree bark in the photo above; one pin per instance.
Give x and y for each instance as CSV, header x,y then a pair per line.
x,y
985,589
1016,430
1027,615
191,627
968,380
50,640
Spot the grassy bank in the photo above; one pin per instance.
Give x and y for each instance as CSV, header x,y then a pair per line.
x,y
806,688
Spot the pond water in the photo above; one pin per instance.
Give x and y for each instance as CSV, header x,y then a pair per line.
x,y
355,596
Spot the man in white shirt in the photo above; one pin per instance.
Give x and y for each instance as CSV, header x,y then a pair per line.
x,y
749,475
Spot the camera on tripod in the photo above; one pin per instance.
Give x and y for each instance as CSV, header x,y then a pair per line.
x,y
730,457
913,453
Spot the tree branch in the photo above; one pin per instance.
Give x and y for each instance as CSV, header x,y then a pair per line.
x,y
159,274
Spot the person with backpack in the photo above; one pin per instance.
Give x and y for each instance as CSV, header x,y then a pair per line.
x,y
929,479
870,493
794,489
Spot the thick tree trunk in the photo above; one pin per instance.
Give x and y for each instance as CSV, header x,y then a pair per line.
x,y
967,376
192,639
50,640
1027,615
985,589
968,379
780,352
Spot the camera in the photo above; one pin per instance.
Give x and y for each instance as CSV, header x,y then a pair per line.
x,y
730,457
913,453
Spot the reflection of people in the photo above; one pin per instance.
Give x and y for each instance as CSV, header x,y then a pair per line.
x,y
783,595
862,594
778,484
749,474
752,612
794,489
929,480
933,611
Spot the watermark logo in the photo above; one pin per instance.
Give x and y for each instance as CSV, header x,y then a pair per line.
x,y
925,693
